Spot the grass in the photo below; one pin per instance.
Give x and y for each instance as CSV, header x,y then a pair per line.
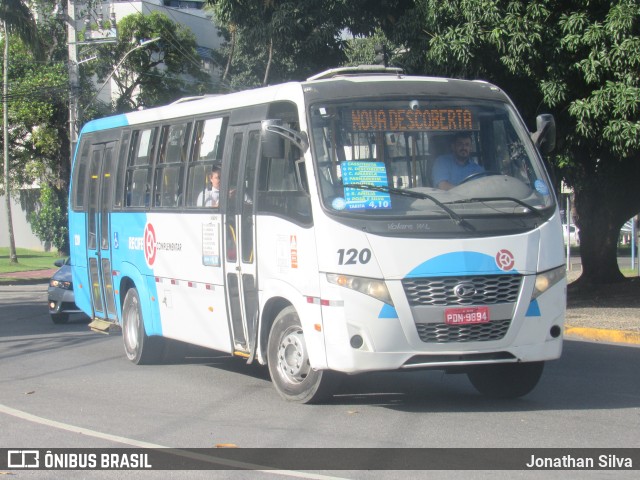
x,y
628,272
623,250
27,260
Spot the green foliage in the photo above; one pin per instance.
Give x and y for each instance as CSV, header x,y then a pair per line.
x,y
274,41
156,73
361,50
37,113
18,18
579,60
49,221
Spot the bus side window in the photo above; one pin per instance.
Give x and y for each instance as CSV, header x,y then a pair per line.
x,y
208,146
138,180
121,169
281,191
80,179
169,170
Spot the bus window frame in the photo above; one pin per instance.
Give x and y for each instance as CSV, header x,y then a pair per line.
x,y
133,166
80,173
195,164
162,163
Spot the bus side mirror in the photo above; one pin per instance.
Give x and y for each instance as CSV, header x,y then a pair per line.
x,y
272,143
274,134
545,134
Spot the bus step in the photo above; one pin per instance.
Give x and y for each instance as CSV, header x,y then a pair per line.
x,y
101,325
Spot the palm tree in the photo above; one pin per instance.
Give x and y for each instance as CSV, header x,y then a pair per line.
x,y
16,18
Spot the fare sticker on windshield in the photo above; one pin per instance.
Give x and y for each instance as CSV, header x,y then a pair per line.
x,y
365,173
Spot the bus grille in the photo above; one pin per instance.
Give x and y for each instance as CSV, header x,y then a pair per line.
x,y
480,332
481,290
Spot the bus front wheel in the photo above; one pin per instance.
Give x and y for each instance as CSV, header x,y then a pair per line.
x,y
140,348
506,380
289,365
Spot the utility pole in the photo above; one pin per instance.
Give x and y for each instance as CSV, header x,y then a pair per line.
x,y
93,12
5,136
74,77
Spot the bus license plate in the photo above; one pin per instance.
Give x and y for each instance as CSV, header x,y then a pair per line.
x,y
466,316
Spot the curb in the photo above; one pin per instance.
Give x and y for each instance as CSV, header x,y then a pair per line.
x,y
27,277
11,281
602,335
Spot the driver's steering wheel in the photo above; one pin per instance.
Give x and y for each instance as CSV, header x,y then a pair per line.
x,y
473,176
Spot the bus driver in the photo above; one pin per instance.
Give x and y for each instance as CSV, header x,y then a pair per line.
x,y
451,169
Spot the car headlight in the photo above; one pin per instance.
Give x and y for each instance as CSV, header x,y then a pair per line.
x,y
369,286
546,280
60,284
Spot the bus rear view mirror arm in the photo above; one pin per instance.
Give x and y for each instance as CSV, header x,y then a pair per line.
x,y
272,144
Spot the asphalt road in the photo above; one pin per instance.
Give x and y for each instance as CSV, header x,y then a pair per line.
x,y
64,386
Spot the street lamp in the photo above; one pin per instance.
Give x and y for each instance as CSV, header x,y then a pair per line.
x,y
137,47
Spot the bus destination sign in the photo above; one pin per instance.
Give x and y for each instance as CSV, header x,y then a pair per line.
x,y
407,120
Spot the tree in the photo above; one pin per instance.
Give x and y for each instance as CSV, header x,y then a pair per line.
x,y
37,112
15,17
277,40
158,73
362,50
577,59
581,61
49,220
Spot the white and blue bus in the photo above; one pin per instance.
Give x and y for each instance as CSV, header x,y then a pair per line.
x,y
332,250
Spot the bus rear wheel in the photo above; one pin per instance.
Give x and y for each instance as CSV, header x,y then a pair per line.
x,y
289,365
140,348
506,380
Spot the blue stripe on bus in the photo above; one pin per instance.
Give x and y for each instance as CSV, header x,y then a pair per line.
x,y
106,123
388,311
533,310
458,263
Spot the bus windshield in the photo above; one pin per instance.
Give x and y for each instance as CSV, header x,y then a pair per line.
x,y
446,157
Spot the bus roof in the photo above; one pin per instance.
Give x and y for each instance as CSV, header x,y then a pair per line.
x,y
335,84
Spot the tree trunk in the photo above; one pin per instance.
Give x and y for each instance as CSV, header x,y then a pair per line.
x,y
5,132
602,208
232,29
598,249
266,73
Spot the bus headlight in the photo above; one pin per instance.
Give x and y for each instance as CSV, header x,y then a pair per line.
x,y
546,280
369,286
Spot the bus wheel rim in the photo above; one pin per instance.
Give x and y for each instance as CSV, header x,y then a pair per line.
x,y
132,330
293,360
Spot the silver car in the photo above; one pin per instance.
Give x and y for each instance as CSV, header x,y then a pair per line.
x,y
60,293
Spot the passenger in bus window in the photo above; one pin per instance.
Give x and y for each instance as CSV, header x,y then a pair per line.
x,y
210,195
452,168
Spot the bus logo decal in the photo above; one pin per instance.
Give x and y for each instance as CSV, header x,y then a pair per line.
x,y
505,260
149,244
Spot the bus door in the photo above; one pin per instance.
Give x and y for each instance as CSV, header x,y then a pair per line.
x,y
239,222
100,190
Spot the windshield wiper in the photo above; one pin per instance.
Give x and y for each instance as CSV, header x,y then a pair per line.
x,y
457,219
496,199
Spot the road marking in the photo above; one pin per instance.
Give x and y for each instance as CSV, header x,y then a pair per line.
x,y
137,443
